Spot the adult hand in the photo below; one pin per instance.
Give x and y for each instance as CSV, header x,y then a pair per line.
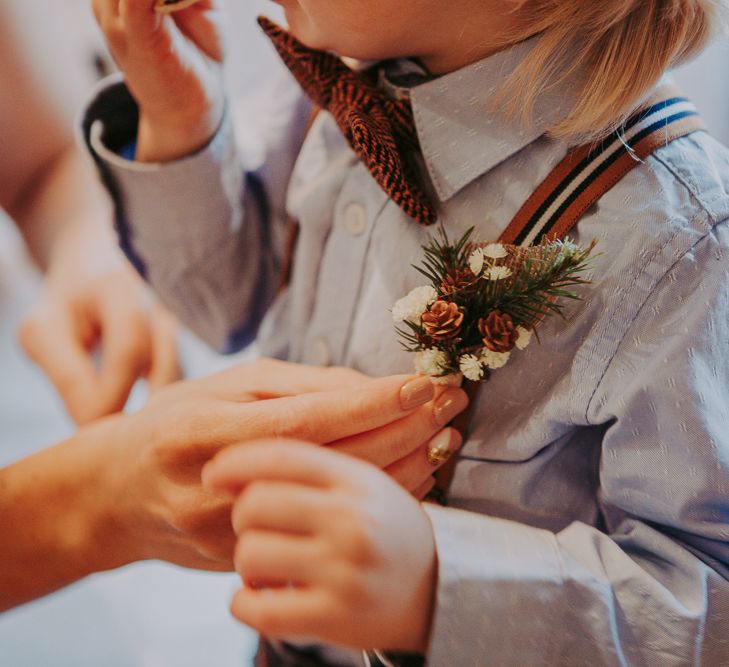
x,y
356,552
171,63
397,446
155,457
93,299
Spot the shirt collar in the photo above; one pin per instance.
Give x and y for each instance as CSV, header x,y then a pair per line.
x,y
462,136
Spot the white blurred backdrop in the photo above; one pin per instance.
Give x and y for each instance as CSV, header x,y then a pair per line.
x,y
150,615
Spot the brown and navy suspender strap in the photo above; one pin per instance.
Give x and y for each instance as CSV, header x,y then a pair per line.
x,y
577,183
589,171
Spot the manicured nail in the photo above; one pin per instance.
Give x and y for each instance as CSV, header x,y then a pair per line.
x,y
416,392
442,446
451,403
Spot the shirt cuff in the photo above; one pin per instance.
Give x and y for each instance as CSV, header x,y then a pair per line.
x,y
196,197
499,592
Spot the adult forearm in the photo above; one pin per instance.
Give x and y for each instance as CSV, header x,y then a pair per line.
x,y
55,526
64,203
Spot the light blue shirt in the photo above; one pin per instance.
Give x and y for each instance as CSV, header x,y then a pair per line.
x,y
589,513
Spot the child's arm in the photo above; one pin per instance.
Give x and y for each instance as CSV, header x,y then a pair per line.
x,y
206,235
334,549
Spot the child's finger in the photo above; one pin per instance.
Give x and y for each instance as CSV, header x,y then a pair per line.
x,y
414,470
282,612
195,24
324,417
267,557
387,444
277,506
287,461
139,15
105,11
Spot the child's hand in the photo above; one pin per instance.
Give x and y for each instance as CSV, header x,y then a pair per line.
x,y
357,551
172,67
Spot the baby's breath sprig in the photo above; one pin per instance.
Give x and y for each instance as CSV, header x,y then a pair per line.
x,y
484,300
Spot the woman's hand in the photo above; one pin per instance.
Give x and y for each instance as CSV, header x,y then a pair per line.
x,y
93,299
171,64
397,446
337,551
154,458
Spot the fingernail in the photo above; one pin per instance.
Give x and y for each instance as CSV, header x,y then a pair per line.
x,y
450,404
416,392
443,446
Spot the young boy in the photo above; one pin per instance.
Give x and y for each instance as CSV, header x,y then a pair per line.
x,y
587,519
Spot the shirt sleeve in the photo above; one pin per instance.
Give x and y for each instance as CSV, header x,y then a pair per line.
x,y
205,231
650,586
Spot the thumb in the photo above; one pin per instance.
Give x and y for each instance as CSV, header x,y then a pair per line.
x,y
164,366
198,24
126,353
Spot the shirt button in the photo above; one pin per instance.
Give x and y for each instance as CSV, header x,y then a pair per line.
x,y
320,353
355,219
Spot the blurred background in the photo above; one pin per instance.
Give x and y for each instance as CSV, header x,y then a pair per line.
x,y
150,614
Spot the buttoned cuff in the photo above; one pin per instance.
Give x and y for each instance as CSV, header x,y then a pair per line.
x,y
500,588
193,202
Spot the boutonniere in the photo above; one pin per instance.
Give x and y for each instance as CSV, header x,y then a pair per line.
x,y
483,301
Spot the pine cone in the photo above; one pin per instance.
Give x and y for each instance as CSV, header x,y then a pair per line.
x,y
457,280
498,331
443,320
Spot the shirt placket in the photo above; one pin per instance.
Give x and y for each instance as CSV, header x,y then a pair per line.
x,y
342,271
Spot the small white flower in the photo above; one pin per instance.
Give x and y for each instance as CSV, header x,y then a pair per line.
x,y
524,338
494,359
450,380
497,272
430,362
475,261
495,251
471,367
411,307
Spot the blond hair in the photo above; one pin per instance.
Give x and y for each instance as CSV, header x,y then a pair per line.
x,y
612,52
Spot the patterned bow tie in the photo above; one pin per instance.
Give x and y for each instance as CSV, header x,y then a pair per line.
x,y
381,131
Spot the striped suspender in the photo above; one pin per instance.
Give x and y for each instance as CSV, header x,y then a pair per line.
x,y
589,171
575,184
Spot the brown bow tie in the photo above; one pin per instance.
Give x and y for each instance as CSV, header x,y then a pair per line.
x,y
381,131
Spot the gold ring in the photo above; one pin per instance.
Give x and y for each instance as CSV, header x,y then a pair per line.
x,y
437,455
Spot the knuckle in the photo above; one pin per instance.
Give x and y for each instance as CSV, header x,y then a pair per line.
x,y
345,580
245,551
288,424
356,540
249,505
